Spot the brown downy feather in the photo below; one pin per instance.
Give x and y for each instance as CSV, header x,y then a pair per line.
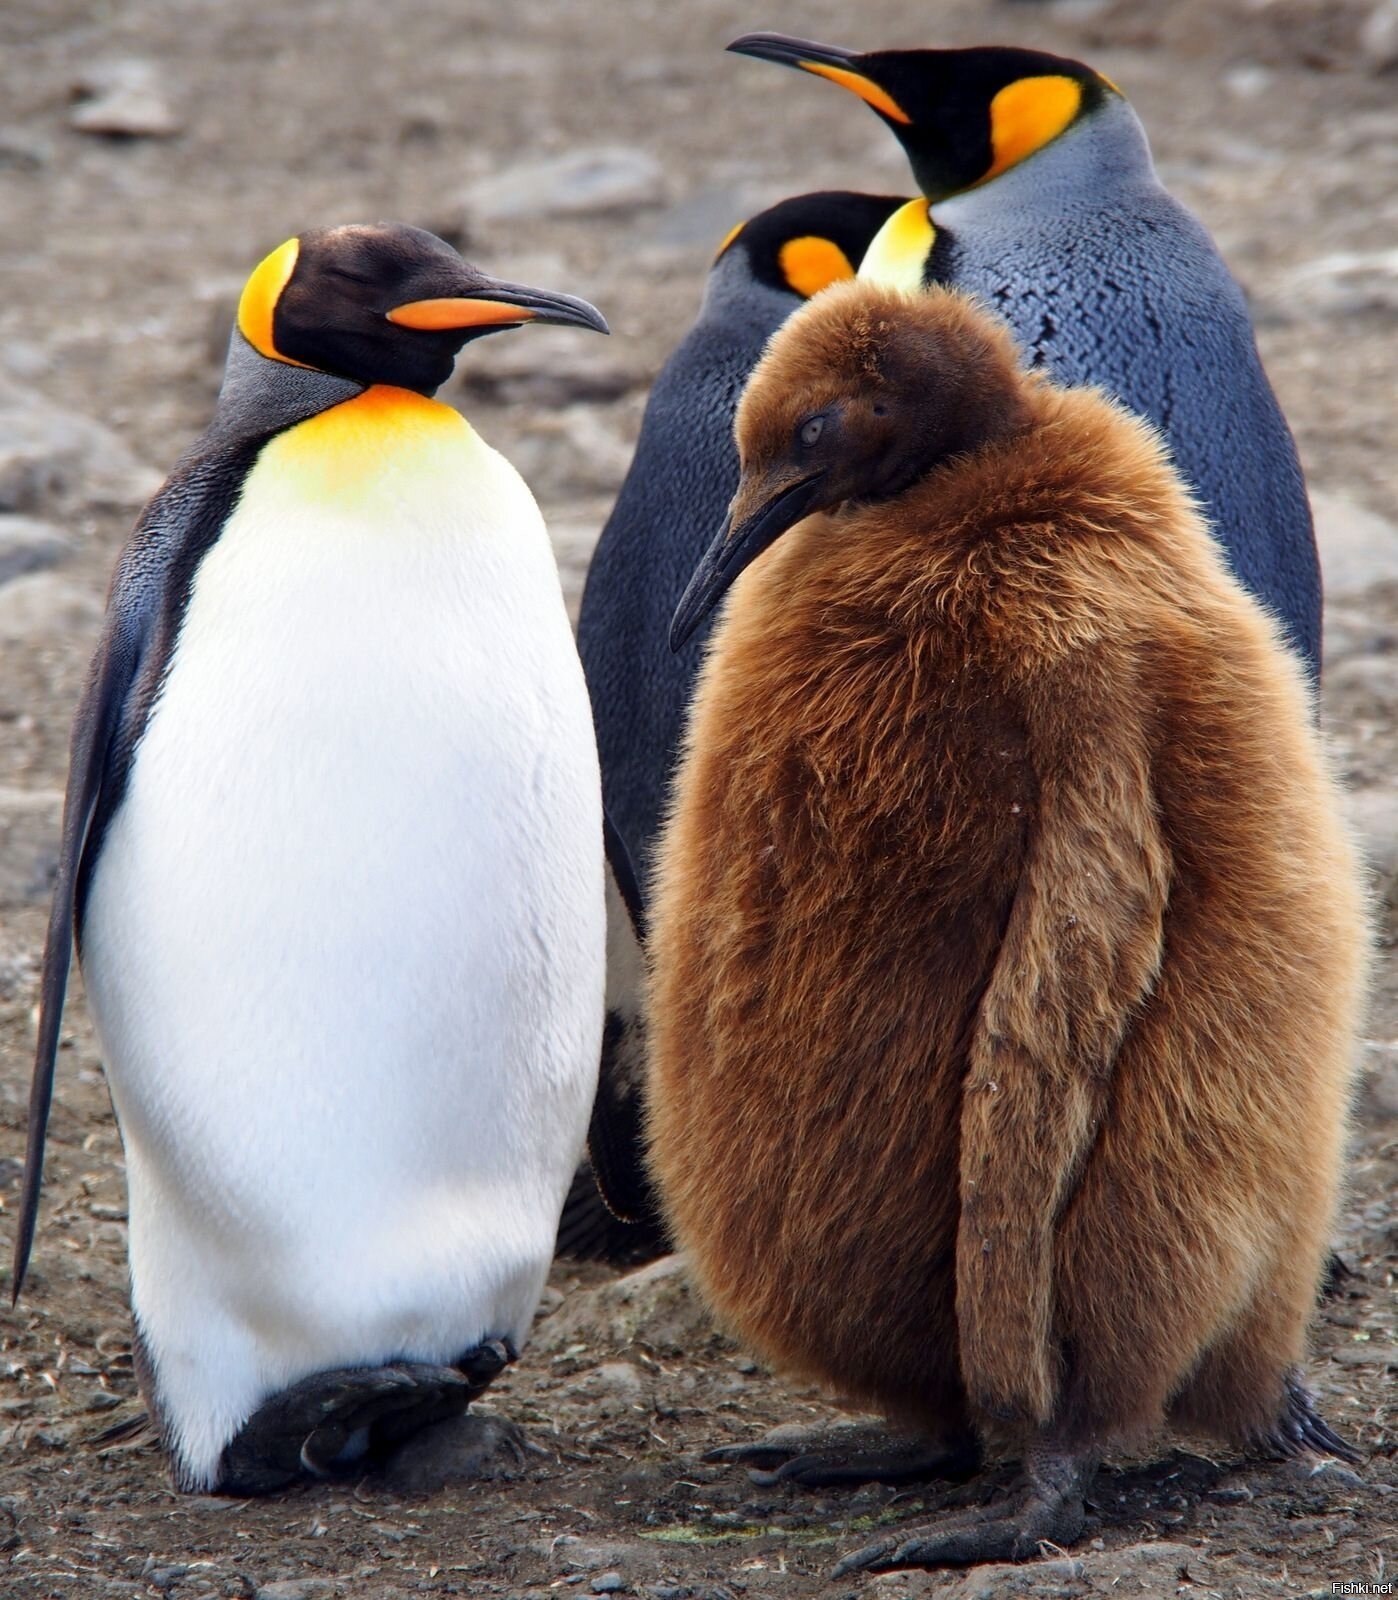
x,y
1008,949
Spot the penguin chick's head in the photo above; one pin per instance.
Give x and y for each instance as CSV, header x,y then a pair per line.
x,y
385,303
859,396
803,244
962,116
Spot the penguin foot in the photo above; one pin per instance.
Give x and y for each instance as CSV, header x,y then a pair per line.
x,y
1300,1429
327,1424
848,1452
484,1363
1047,1508
473,1447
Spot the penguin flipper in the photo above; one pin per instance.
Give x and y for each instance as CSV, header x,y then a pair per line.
x,y
1081,949
109,686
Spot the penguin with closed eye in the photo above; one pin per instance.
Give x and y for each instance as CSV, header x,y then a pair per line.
x,y
333,857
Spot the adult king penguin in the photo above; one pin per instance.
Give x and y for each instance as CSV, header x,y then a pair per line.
x,y
1040,173
676,493
332,852
1007,945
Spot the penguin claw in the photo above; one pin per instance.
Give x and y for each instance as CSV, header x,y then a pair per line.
x,y
1301,1429
1053,1513
845,1452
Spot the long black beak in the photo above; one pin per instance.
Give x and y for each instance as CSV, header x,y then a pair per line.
x,y
738,547
848,68
789,52
483,303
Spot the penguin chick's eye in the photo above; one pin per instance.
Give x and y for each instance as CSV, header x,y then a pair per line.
x,y
810,430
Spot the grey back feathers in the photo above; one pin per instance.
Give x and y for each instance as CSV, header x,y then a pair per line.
x,y
1107,280
673,501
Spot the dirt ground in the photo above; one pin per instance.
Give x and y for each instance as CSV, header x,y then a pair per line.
x,y
121,258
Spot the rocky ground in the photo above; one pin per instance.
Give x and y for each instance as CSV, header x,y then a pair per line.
x,y
149,154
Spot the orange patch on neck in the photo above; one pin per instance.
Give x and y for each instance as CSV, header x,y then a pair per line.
x,y
258,304
1025,115
810,263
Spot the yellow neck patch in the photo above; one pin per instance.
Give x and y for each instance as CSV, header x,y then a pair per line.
x,y
363,450
1025,115
729,237
259,300
897,254
867,90
809,263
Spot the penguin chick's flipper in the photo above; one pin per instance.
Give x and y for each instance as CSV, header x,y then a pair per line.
x,y
1301,1430
848,1452
1046,1507
326,1424
1082,946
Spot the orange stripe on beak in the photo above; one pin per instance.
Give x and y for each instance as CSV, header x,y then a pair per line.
x,y
435,315
867,90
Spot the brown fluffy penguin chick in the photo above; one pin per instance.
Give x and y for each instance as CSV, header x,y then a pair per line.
x,y
1008,948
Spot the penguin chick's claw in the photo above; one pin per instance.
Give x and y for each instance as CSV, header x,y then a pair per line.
x,y
327,1423
1048,1508
1300,1429
846,1452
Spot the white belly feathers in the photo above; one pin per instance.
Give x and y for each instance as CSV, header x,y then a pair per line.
x,y
345,937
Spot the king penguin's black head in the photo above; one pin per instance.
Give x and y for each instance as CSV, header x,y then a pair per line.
x,y
802,244
385,303
962,116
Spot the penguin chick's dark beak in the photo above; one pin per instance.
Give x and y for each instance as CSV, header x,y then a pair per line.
x,y
750,530
826,61
489,303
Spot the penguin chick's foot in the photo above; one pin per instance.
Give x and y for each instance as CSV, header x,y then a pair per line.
x,y
1046,1507
848,1452
327,1424
471,1448
1300,1429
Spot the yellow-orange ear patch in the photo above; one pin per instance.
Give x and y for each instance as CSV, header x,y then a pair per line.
x,y
729,237
809,263
258,302
897,254
867,90
1025,115
463,312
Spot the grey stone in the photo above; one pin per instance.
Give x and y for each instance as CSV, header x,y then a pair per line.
x,y
574,450
601,181
28,545
655,1304
554,372
123,99
23,151
1378,38
29,830
608,1583
37,608
1366,1354
295,1589
1344,283
1374,815
49,455
1358,548
571,1554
